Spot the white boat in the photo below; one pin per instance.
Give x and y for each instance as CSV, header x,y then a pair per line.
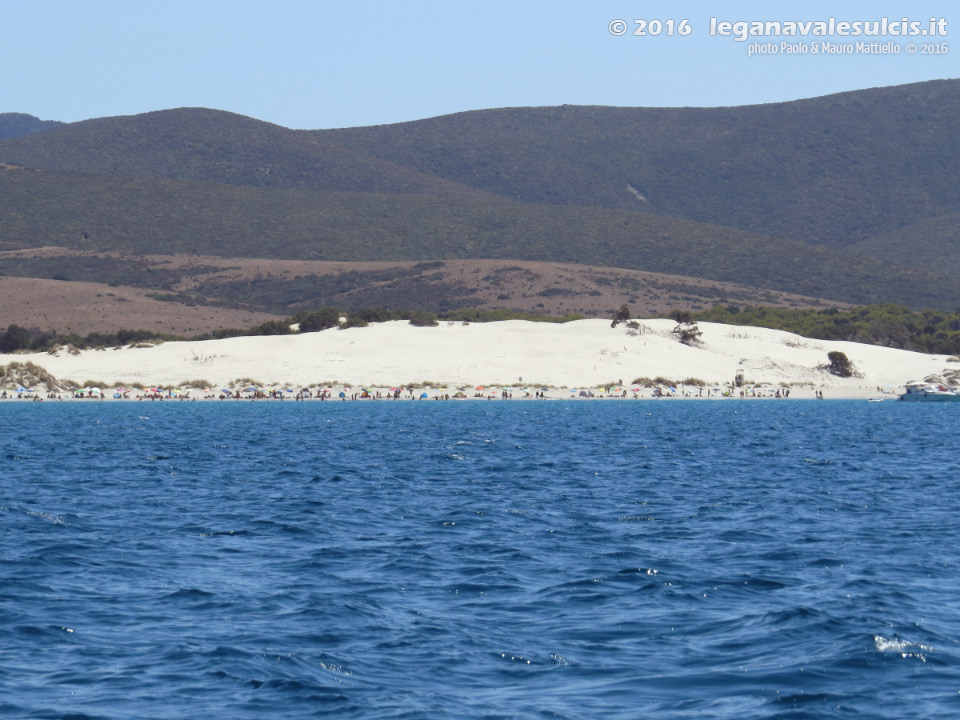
x,y
927,392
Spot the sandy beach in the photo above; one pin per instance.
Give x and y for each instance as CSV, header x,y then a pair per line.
x,y
518,355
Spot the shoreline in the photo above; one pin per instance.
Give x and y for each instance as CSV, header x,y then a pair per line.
x,y
875,397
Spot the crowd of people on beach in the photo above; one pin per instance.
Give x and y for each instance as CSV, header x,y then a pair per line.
x,y
393,393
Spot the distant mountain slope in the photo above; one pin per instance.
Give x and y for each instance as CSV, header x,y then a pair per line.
x,y
84,307
56,288
14,125
932,243
98,212
831,170
852,197
214,146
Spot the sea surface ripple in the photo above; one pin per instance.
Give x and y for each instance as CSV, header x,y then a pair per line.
x,y
489,559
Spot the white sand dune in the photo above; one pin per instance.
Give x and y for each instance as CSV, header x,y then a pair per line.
x,y
585,353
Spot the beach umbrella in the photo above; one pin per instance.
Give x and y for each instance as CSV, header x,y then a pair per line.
x,y
423,395
342,394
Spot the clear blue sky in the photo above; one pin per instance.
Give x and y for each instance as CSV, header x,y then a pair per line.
x,y
321,64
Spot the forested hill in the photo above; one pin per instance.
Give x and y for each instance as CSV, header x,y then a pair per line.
x,y
830,170
14,125
851,197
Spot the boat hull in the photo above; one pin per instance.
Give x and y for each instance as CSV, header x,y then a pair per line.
x,y
924,396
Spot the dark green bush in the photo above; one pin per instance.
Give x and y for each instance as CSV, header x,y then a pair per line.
x,y
15,338
312,321
840,364
423,319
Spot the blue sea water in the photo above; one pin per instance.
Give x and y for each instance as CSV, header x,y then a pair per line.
x,y
524,559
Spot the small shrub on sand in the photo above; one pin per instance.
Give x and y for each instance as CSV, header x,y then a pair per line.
x,y
622,315
246,382
96,384
688,333
420,318
840,364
